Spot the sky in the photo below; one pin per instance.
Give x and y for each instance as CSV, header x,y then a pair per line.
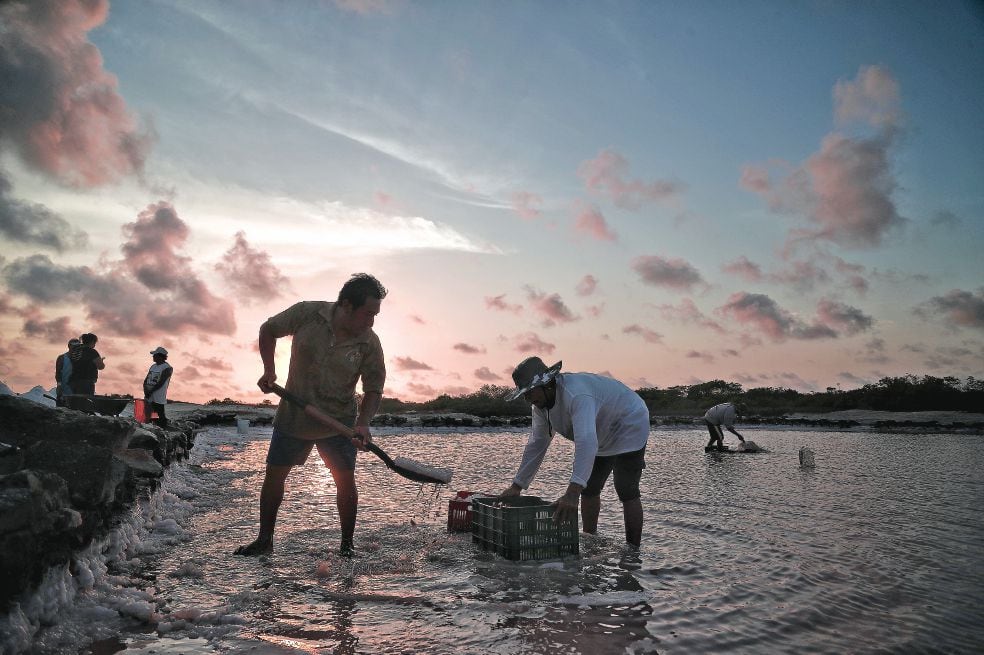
x,y
779,194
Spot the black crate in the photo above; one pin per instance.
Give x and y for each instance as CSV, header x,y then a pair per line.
x,y
522,528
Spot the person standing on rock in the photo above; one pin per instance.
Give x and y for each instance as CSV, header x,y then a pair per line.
x,y
63,372
85,369
156,383
333,346
609,425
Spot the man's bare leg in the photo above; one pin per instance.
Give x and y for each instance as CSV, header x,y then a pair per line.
x,y
347,502
271,495
590,508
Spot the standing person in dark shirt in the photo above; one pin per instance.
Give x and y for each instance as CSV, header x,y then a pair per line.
x,y
63,371
85,370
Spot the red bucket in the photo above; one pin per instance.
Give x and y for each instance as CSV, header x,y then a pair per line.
x,y
141,410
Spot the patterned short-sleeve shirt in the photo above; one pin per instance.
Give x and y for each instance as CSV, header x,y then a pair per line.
x,y
324,371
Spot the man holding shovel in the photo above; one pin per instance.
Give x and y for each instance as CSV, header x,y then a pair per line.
x,y
333,346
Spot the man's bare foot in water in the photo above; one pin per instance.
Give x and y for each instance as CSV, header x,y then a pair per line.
x,y
258,547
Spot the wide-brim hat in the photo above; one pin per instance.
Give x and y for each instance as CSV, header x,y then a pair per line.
x,y
159,350
531,373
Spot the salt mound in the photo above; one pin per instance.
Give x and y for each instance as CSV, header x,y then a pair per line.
x,y
37,395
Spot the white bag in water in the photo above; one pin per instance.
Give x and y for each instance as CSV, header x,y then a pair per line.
x,y
806,458
747,446
242,425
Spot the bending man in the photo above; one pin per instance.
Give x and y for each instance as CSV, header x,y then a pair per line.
x,y
333,346
718,416
609,425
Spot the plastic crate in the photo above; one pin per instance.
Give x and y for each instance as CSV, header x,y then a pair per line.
x,y
460,511
522,528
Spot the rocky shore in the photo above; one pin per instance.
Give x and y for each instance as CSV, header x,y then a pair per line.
x,y
66,477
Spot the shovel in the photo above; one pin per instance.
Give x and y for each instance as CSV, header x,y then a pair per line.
x,y
408,468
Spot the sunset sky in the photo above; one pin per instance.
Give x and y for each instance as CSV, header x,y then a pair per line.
x,y
781,194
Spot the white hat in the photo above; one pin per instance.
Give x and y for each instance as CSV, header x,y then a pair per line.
x,y
531,372
160,350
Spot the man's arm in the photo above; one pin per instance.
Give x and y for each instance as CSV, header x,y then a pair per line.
x,y
99,361
367,409
268,347
732,430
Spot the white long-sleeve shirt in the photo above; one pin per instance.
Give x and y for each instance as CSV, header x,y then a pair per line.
x,y
723,414
600,415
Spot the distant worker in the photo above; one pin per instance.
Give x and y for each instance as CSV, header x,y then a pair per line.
x,y
609,425
156,383
719,416
333,346
63,372
85,369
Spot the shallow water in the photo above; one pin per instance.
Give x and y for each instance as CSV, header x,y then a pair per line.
x,y
877,549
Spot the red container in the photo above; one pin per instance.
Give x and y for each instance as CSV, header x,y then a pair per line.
x,y
460,512
141,410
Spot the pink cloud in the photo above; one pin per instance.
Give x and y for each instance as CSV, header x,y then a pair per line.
x,y
687,312
744,268
486,375
696,354
873,98
250,273
761,312
499,303
410,364
591,222
844,190
551,307
587,286
469,349
526,204
606,175
673,273
649,336
57,330
529,342
63,112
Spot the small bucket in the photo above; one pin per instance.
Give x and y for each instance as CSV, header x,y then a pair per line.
x,y
242,425
141,411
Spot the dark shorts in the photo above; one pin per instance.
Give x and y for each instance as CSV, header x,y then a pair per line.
x,y
628,471
337,452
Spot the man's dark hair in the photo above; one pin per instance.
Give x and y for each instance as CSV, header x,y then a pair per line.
x,y
89,339
359,287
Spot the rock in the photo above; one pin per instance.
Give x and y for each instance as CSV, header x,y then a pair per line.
x,y
65,476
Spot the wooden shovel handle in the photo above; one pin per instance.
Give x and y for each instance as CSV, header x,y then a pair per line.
x,y
315,413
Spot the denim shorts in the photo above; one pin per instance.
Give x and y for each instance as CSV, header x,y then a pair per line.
x,y
628,471
338,452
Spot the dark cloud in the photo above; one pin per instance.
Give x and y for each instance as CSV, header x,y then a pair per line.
x,y
250,273
153,290
486,375
958,307
56,330
673,273
531,343
762,312
62,112
843,318
551,307
469,349
410,364
35,224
